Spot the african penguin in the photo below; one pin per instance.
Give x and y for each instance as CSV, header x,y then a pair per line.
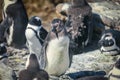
x,y
56,49
3,25
114,74
15,33
79,23
3,54
35,35
33,71
110,42
93,78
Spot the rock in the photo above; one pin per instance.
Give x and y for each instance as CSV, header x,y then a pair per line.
x,y
91,60
5,72
106,14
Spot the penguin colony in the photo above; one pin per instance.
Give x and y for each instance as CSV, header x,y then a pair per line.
x,y
14,23
50,51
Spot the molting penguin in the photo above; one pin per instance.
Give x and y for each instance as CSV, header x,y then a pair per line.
x,y
15,33
56,50
114,74
110,42
33,71
79,23
35,35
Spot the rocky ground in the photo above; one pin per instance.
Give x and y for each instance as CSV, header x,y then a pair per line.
x,y
90,62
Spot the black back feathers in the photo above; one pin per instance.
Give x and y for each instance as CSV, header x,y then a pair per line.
x,y
2,49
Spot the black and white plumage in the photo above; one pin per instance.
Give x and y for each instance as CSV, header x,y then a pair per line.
x,y
110,42
33,71
3,26
55,52
35,35
15,32
114,74
3,54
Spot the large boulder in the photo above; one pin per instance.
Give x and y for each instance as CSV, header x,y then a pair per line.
x,y
105,14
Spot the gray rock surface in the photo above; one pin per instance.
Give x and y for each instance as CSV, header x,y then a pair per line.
x,y
106,14
5,72
90,62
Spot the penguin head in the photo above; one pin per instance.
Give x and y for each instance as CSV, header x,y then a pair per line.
x,y
32,63
108,43
57,26
107,40
35,20
78,2
3,49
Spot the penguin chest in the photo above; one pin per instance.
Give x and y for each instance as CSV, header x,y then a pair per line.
x,y
58,56
33,42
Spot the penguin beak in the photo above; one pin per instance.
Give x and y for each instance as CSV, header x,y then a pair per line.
x,y
57,35
55,31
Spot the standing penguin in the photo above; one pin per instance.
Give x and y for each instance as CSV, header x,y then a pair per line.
x,y
15,33
33,71
79,23
35,35
56,50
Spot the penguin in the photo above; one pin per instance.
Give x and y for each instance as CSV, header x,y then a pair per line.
x,y
109,43
3,26
55,51
15,33
32,70
3,54
93,78
35,35
114,74
79,23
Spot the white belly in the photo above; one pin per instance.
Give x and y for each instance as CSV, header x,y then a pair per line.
x,y
32,40
58,56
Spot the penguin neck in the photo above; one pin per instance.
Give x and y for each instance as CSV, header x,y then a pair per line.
x,y
33,69
7,3
34,27
32,65
63,32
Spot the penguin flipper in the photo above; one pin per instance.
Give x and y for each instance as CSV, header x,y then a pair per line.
x,y
43,33
43,57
